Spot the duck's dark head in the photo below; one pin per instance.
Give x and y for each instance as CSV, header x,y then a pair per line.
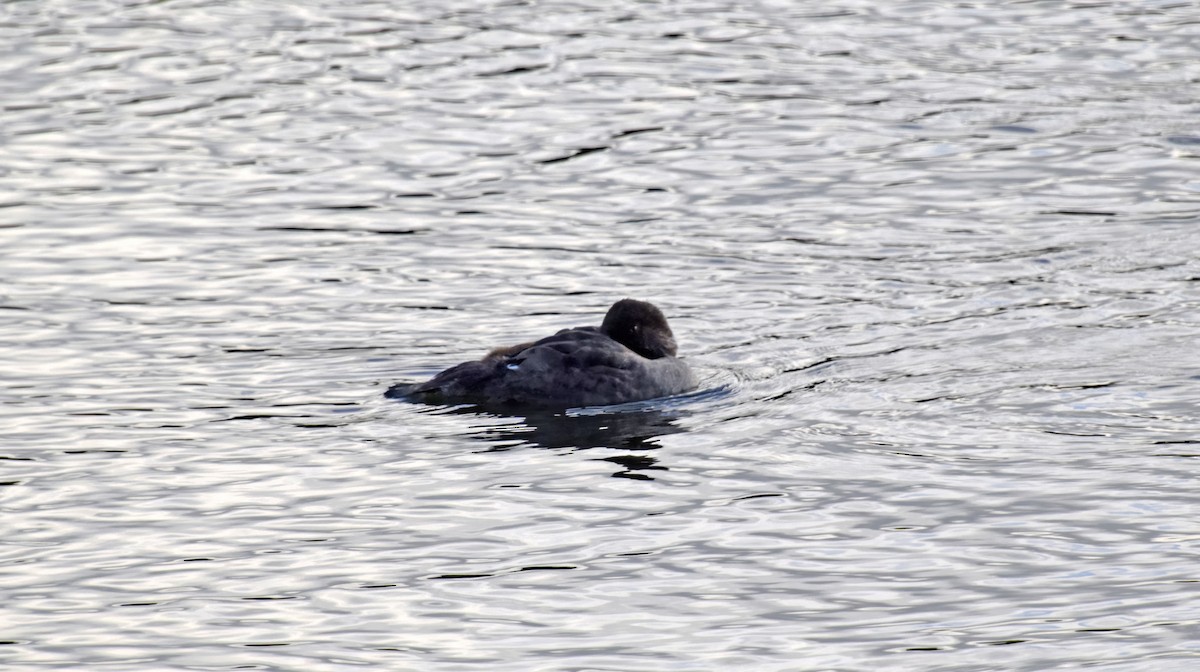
x,y
641,327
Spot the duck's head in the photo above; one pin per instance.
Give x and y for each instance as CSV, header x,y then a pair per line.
x,y
641,327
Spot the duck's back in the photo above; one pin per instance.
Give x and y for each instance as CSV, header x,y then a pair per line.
x,y
575,367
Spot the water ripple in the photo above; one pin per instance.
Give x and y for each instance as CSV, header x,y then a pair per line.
x,y
936,265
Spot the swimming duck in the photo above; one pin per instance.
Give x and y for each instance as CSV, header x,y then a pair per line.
x,y
629,357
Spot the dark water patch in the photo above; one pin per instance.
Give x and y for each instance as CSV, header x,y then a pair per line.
x,y
637,131
1012,128
267,644
583,151
515,70
760,495
634,466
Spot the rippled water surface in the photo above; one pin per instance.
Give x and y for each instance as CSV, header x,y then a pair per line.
x,y
936,264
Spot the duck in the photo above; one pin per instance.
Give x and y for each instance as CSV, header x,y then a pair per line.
x,y
630,357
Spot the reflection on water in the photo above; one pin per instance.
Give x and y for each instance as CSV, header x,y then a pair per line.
x,y
632,430
938,263
636,426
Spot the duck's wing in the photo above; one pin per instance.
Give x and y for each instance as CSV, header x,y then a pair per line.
x,y
460,381
575,367
582,367
483,379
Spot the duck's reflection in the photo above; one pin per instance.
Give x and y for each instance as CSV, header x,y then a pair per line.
x,y
634,430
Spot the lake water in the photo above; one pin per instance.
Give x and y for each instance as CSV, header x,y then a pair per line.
x,y
937,264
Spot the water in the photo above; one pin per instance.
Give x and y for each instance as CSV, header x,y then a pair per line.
x,y
935,263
